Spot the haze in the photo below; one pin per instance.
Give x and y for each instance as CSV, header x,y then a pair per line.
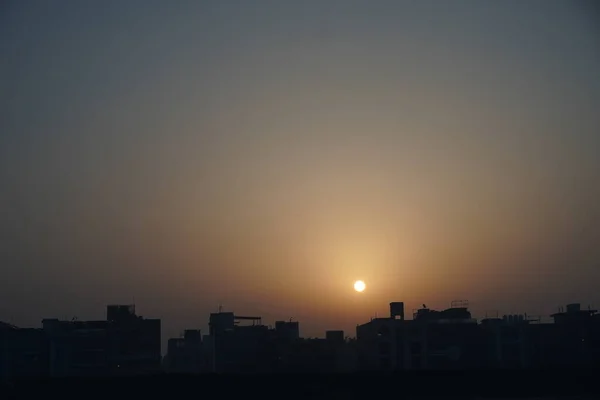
x,y
264,155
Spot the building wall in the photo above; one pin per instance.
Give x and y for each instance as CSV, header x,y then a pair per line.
x,y
135,346
77,348
248,348
23,353
435,341
186,355
451,345
287,330
91,348
380,344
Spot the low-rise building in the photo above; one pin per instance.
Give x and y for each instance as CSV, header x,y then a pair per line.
x,y
186,355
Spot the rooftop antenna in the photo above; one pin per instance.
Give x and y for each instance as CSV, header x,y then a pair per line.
x,y
220,308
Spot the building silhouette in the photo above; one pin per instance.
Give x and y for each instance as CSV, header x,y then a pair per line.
x,y
187,354
126,344
451,339
123,344
244,344
24,352
432,339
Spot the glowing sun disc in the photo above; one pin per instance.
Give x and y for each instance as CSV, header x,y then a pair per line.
x,y
359,286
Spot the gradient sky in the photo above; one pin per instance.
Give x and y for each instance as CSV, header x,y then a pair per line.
x,y
265,154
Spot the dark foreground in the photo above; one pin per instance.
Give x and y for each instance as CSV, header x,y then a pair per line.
x,y
565,384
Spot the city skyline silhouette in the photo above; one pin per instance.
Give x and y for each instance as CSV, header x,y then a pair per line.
x,y
126,344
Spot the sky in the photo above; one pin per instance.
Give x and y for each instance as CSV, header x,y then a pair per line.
x,y
264,155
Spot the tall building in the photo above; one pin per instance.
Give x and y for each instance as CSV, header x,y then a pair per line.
x,y
237,347
433,339
121,345
451,339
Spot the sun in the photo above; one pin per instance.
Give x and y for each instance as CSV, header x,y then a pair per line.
x,y
359,286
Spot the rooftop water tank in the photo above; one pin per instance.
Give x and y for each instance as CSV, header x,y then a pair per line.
x,y
397,310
